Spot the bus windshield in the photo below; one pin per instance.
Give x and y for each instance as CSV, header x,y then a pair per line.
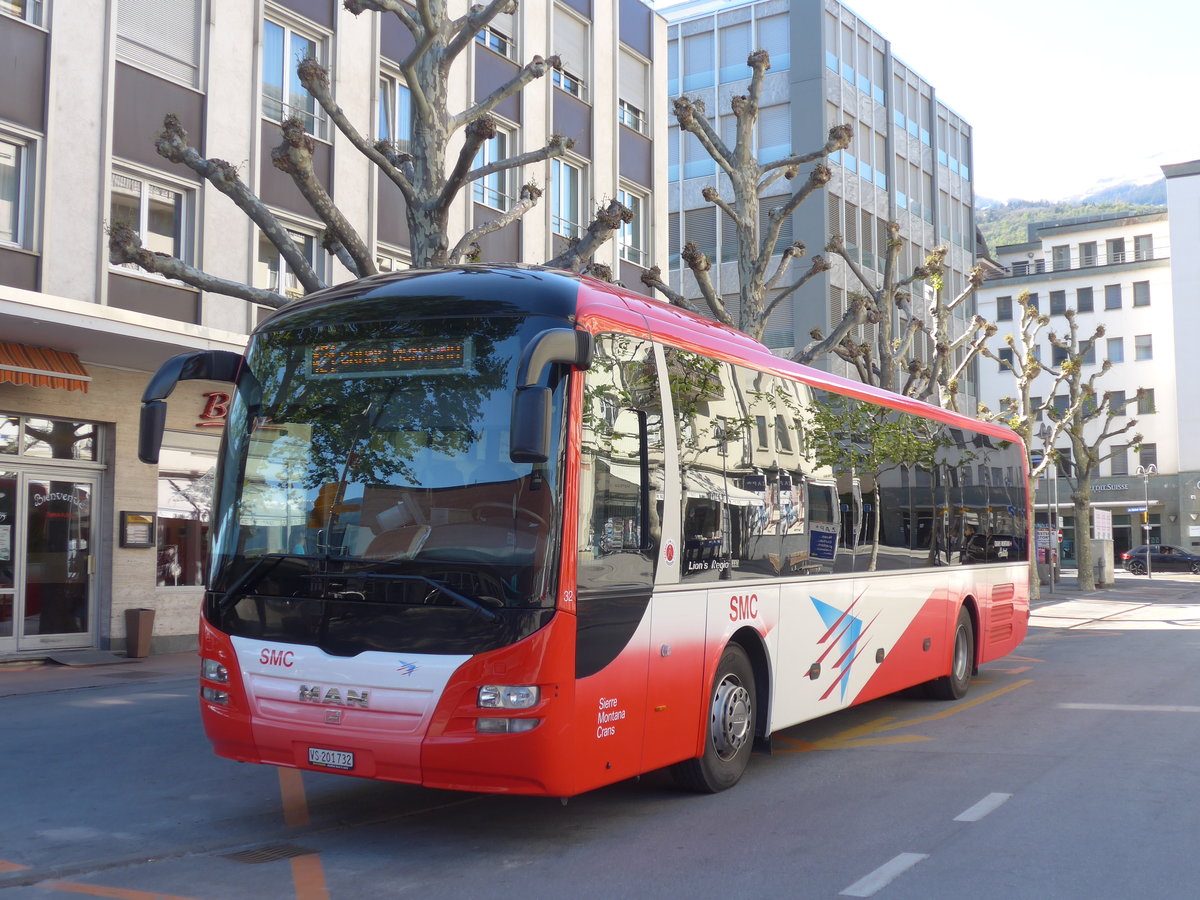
x,y
366,473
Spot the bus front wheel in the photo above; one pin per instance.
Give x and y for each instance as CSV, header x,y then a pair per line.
x,y
729,730
954,685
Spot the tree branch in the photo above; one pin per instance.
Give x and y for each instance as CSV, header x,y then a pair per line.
x,y
533,70
315,80
652,278
529,198
125,246
172,144
294,157
607,222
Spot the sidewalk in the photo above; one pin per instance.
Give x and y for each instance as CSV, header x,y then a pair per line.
x,y
1158,588
39,677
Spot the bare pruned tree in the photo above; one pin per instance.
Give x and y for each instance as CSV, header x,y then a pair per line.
x,y
749,180
886,304
1089,446
427,174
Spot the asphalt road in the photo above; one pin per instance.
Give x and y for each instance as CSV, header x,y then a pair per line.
x,y
1070,770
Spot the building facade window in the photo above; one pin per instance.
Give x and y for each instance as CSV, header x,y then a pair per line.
x,y
1089,354
1116,350
162,37
158,212
1061,257
571,45
1116,402
395,113
273,272
498,35
1114,249
1058,355
1087,254
1145,402
1119,461
495,190
16,188
632,240
185,486
1058,303
1004,309
566,198
1005,358
27,10
1112,296
1084,300
632,93
283,96
1141,293
1143,247
1148,455
1143,347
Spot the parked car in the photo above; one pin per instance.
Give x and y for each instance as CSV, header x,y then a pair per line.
x,y
1163,558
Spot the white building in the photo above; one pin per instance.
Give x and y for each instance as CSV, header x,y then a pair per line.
x,y
78,336
1114,271
910,160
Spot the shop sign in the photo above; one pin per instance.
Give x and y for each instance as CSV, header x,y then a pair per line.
x,y
216,407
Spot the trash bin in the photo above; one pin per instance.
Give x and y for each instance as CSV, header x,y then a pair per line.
x,y
139,626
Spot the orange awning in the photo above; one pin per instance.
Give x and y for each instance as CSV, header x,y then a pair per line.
x,y
42,367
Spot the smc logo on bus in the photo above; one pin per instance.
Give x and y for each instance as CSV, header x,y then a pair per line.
x,y
742,608
284,658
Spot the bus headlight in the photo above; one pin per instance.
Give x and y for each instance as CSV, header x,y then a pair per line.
x,y
505,726
212,695
211,670
504,696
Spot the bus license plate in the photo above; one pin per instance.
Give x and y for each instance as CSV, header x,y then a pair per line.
x,y
330,759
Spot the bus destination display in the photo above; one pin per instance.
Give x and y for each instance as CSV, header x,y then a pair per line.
x,y
379,359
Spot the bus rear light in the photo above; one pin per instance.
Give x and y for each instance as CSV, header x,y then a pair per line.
x,y
212,695
503,696
505,726
211,670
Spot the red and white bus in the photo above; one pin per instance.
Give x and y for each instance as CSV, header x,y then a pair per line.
x,y
514,530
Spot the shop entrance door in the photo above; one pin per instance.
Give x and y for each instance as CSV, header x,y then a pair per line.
x,y
46,567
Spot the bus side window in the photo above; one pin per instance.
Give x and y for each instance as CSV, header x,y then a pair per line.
x,y
620,465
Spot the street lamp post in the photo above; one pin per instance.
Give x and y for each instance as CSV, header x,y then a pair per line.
x,y
1146,472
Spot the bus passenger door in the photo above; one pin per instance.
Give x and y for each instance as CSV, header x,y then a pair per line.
x,y
674,688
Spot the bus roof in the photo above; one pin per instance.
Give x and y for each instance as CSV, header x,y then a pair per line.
x,y
597,305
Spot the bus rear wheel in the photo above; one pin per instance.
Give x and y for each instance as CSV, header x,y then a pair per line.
x,y
954,685
729,731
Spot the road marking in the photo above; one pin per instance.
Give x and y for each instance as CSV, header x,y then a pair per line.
x,y
295,805
1128,707
308,877
866,735
884,875
96,890
988,804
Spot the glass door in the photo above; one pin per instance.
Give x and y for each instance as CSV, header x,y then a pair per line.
x,y
46,560
8,559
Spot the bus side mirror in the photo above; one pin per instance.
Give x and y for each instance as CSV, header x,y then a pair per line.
x,y
201,365
529,430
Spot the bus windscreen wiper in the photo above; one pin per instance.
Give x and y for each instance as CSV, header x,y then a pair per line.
x,y
460,599
258,567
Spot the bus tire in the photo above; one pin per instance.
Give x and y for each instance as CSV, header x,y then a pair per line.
x,y
728,730
954,686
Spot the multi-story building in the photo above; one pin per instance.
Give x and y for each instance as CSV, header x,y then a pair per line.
x,y
1115,271
910,160
87,531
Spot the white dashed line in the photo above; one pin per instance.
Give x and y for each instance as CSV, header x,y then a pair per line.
x,y
988,804
884,875
1128,707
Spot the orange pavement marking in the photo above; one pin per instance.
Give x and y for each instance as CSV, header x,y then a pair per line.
x,y
295,805
95,890
309,878
11,867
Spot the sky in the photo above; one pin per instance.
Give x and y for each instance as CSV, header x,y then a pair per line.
x,y
1062,95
